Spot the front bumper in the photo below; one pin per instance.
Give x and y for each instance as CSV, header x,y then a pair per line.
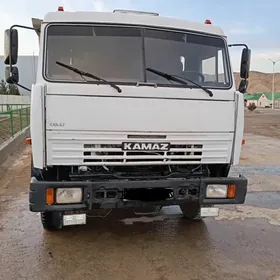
x,y
195,191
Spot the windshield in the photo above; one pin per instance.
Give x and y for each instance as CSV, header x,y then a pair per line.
x,y
122,55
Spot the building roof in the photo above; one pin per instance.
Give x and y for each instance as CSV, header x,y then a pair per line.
x,y
269,95
132,19
257,96
252,97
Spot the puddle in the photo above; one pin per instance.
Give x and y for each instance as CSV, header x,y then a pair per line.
x,y
242,212
255,170
269,200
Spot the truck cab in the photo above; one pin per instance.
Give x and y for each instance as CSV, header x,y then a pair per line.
x,y
131,109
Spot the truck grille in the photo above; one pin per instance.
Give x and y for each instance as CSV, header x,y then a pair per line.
x,y
72,148
114,154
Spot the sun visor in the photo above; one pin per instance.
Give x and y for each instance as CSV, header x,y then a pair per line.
x,y
36,23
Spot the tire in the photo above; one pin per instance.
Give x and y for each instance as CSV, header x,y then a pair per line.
x,y
191,211
52,220
34,171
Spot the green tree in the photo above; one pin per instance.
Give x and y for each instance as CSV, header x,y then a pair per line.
x,y
13,90
3,87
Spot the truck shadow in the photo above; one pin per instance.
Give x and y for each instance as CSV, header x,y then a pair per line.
x,y
124,228
158,246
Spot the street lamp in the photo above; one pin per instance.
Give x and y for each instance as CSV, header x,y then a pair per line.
x,y
273,86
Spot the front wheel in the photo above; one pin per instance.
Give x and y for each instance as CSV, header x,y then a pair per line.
x,y
52,220
191,211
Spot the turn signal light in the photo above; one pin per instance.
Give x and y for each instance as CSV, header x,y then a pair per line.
x,y
28,141
49,196
231,191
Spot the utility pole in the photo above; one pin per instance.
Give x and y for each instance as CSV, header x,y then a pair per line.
x,y
273,83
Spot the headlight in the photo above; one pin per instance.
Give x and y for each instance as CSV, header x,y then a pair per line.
x,y
69,195
216,191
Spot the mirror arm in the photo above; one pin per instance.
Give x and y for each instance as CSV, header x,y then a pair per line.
x,y
11,40
245,80
21,86
238,45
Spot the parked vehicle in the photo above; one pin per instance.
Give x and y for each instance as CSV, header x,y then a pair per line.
x,y
131,109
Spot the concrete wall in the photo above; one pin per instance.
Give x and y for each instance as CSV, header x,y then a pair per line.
x,y
12,144
277,103
263,102
252,101
14,99
27,66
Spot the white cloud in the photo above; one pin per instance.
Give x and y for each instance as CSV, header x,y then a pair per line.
x,y
99,6
241,30
259,61
27,39
67,5
262,60
269,54
26,9
110,5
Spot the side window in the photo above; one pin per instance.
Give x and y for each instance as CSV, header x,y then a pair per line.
x,y
209,69
183,61
213,69
222,73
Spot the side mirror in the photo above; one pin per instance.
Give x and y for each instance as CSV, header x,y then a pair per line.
x,y
11,75
243,86
245,63
11,46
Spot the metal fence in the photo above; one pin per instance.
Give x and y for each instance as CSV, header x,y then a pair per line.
x,y
10,107
13,121
14,99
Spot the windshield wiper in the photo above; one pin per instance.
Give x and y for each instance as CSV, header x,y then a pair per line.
x,y
86,74
167,76
179,80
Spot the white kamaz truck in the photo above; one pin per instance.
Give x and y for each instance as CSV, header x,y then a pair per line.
x,y
131,110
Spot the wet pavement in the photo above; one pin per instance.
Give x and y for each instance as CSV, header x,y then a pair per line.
x,y
257,170
242,243
270,200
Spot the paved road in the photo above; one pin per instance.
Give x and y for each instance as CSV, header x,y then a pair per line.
x,y
242,243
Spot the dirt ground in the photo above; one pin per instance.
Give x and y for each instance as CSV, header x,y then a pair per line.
x,y
242,243
18,123
264,122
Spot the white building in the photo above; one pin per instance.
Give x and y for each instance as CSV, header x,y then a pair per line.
x,y
27,68
263,100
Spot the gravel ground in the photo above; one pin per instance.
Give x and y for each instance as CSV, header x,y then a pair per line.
x,y
242,243
263,122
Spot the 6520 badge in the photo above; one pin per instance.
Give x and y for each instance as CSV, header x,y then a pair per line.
x,y
145,146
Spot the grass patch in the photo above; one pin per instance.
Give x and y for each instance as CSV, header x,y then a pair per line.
x,y
12,123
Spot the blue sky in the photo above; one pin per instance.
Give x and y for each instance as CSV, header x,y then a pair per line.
x,y
252,22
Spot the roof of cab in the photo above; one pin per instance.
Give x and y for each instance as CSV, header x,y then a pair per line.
x,y
131,19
